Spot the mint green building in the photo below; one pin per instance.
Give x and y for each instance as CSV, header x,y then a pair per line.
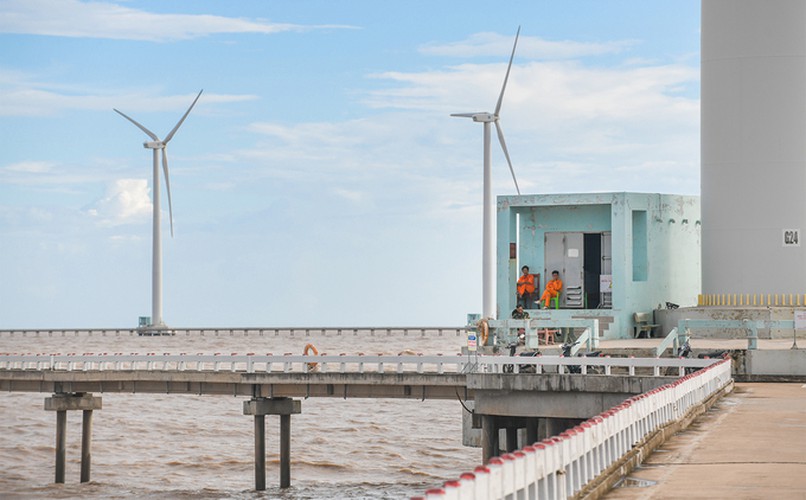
x,y
617,253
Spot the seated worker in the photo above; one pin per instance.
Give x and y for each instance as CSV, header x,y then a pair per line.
x,y
553,288
519,313
525,287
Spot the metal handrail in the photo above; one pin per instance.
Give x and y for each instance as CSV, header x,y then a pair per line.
x,y
252,330
358,363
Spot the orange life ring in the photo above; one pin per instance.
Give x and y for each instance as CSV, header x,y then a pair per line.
x,y
311,348
484,332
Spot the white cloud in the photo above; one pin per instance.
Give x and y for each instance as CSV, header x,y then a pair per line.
x,y
23,95
126,201
530,47
569,127
31,167
74,18
350,195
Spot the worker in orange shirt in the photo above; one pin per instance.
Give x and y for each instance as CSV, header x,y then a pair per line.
x,y
525,287
553,288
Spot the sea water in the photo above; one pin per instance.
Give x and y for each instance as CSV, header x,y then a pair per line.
x,y
185,446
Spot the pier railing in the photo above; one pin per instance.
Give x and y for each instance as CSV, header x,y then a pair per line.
x,y
344,363
561,466
241,331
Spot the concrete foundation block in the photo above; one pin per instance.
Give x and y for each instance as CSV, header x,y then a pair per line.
x,y
69,402
272,406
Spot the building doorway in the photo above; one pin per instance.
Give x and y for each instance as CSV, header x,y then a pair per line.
x,y
583,260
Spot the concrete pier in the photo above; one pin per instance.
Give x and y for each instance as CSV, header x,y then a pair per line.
x,y
284,407
489,438
512,439
86,445
61,403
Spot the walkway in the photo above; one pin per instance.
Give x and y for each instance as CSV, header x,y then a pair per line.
x,y
750,445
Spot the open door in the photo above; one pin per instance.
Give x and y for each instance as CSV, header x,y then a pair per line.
x,y
565,252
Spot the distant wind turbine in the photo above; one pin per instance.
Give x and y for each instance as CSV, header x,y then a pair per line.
x,y
155,144
488,241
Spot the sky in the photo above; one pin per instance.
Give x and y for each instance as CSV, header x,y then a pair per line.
x,y
319,180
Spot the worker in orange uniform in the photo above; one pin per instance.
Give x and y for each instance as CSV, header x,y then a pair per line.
x,y
553,288
525,287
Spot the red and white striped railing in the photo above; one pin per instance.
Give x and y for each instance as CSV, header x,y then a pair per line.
x,y
560,466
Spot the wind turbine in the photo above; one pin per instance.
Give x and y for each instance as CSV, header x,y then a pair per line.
x,y
156,145
488,241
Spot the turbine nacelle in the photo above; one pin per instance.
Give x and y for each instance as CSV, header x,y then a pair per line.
x,y
154,145
484,117
478,117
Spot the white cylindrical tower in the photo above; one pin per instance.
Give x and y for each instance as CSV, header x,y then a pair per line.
x,y
753,150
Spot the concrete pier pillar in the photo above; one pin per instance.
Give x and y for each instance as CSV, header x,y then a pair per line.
x,y
285,451
512,439
61,444
260,452
555,426
86,445
489,437
284,407
61,403
531,431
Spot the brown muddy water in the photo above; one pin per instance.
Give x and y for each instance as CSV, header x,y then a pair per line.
x,y
181,446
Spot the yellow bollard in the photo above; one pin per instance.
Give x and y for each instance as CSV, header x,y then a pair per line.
x,y
755,296
791,300
735,302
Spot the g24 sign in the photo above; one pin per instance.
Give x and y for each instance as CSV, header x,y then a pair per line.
x,y
791,237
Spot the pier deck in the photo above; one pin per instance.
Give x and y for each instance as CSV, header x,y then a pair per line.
x,y
749,446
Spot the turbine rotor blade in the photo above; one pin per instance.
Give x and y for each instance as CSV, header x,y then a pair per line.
x,y
148,132
506,77
506,154
168,187
172,132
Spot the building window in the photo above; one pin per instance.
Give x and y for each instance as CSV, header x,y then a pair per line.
x,y
639,245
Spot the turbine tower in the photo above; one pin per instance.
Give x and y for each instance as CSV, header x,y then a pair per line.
x,y
488,238
156,145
